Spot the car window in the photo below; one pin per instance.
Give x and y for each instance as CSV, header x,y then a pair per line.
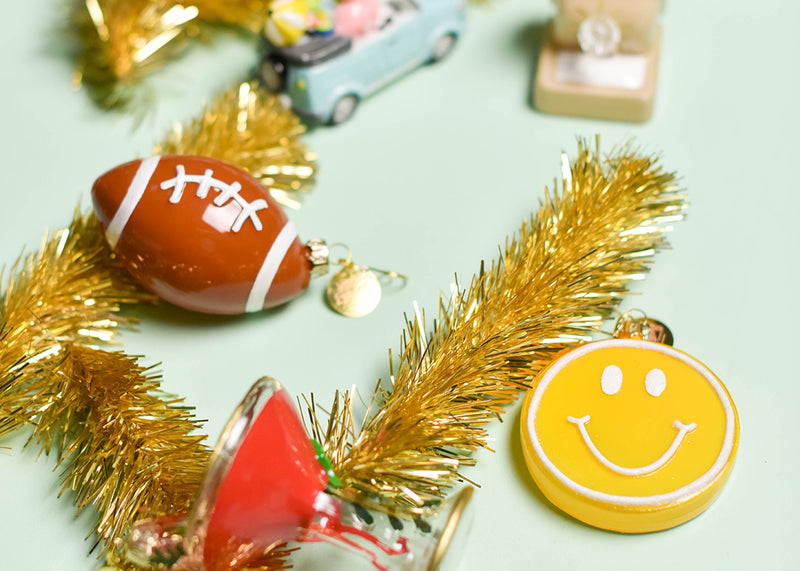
x,y
401,6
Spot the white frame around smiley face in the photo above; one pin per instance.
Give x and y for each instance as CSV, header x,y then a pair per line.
x,y
660,499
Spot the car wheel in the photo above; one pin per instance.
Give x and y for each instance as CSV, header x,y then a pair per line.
x,y
273,74
443,47
344,109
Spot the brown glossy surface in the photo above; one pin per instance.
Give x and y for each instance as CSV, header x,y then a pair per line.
x,y
187,251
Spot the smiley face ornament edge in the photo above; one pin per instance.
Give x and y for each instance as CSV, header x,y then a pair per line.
x,y
615,510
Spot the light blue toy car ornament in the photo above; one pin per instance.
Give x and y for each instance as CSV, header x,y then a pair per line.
x,y
326,76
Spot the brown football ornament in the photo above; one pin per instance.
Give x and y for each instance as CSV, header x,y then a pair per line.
x,y
202,234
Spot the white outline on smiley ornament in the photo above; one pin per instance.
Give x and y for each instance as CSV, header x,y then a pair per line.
x,y
691,488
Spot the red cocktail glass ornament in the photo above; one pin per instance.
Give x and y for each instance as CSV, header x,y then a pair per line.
x,y
265,487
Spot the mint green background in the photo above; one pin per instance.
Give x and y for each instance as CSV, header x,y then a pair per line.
x,y
428,178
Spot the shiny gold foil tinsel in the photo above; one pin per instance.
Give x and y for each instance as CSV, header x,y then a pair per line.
x,y
119,42
551,288
70,292
247,14
125,448
250,128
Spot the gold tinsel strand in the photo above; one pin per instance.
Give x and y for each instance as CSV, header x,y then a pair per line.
x,y
246,14
70,292
124,446
249,127
119,42
551,288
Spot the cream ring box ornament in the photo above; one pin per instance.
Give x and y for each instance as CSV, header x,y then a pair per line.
x,y
629,435
203,234
599,59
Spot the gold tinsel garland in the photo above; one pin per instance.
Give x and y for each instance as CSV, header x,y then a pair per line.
x,y
550,289
89,398
246,14
252,129
70,292
117,43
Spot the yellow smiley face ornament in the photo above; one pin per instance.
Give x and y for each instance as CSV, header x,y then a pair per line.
x,y
629,435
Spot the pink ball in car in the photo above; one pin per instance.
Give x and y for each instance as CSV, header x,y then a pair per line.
x,y
355,17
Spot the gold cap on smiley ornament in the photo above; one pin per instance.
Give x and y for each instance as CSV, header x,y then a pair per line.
x,y
628,434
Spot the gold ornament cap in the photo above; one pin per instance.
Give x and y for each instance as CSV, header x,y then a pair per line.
x,y
635,324
318,256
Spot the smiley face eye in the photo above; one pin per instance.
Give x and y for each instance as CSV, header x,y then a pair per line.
x,y
655,382
611,380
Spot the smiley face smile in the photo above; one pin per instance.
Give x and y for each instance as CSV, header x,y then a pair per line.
x,y
683,430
